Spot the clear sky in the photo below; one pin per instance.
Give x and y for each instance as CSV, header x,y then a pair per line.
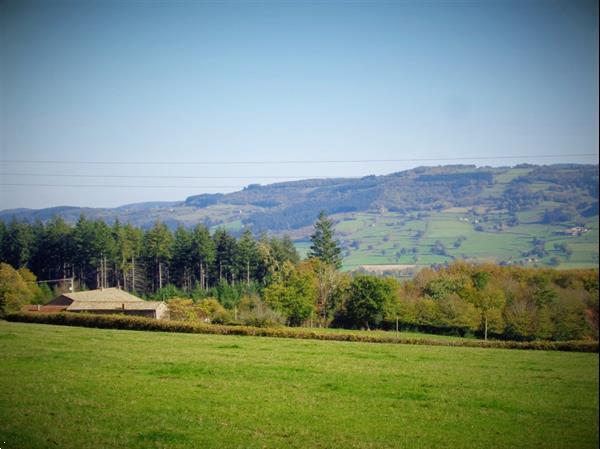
x,y
129,81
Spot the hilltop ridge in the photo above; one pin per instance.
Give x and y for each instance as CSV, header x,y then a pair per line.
x,y
421,216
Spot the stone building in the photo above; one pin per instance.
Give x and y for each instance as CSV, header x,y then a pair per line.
x,y
105,301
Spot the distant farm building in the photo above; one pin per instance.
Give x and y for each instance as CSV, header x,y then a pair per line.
x,y
575,231
105,301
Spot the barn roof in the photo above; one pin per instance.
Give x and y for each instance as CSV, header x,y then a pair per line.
x,y
114,305
103,295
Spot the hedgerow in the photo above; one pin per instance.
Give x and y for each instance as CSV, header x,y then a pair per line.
x,y
149,324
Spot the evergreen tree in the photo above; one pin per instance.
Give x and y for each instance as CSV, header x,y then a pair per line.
x,y
182,259
132,252
82,234
225,252
60,247
128,243
102,250
283,250
202,254
324,246
18,242
246,257
158,247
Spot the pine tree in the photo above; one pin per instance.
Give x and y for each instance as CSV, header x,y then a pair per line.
x,y
18,242
246,257
225,251
324,246
182,258
203,254
158,246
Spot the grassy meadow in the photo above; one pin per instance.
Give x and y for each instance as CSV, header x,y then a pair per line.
x,y
74,387
374,239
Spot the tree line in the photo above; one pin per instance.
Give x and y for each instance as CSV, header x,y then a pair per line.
x,y
99,255
262,281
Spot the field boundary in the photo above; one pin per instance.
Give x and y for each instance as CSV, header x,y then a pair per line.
x,y
149,324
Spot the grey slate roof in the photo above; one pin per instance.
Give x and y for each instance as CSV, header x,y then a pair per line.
x,y
113,305
103,295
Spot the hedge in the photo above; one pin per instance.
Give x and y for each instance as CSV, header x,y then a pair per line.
x,y
149,324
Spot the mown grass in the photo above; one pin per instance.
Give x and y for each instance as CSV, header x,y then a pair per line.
x,y
87,388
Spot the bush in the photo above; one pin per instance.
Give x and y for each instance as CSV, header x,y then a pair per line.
x,y
208,310
15,291
149,324
254,312
212,310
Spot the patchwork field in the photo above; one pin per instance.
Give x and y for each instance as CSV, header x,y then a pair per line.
x,y
89,388
393,238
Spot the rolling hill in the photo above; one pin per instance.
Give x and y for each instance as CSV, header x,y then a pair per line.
x,y
526,214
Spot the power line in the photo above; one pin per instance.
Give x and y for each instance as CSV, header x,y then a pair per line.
x,y
65,175
240,186
286,162
119,186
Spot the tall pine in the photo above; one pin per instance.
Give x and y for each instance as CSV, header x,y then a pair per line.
x,y
324,246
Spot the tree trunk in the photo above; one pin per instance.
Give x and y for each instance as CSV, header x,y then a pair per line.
x,y
159,275
485,332
201,277
123,273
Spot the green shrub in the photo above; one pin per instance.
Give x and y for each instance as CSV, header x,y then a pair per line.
x,y
149,324
211,309
254,312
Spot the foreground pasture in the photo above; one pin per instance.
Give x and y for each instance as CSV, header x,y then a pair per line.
x,y
87,388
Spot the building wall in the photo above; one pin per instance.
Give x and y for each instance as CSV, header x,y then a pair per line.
x,y
162,312
144,313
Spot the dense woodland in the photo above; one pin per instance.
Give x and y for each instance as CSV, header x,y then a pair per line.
x,y
261,281
138,260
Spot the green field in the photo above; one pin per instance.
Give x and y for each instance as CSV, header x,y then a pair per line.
x,y
378,239
90,388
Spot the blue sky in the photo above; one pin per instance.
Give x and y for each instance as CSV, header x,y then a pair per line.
x,y
264,81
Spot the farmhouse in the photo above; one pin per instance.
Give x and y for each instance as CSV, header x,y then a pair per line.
x,y
105,301
576,231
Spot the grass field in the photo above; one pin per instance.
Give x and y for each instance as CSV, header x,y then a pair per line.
x,y
89,388
373,238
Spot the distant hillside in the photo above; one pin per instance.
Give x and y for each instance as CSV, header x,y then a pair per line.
x,y
525,202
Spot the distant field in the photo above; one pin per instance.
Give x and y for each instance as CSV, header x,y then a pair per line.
x,y
395,239
90,388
